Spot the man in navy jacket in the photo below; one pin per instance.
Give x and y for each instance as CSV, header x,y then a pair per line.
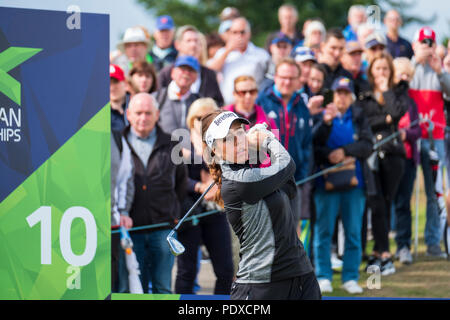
x,y
285,106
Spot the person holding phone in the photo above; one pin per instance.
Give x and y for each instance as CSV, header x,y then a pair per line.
x,y
427,88
344,138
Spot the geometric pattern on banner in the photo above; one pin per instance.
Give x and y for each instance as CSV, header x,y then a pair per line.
x,y
76,175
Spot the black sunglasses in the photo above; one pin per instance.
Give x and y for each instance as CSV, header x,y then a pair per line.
x,y
427,41
242,93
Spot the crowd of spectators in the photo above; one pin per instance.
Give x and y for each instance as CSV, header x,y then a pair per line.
x,y
361,96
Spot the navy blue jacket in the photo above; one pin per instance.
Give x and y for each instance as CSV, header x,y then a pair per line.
x,y
297,136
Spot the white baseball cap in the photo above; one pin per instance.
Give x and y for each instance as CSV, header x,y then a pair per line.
x,y
219,127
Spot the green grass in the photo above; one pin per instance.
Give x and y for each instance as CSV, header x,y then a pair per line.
x,y
425,278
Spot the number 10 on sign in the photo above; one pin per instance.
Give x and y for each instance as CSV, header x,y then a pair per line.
x,y
43,215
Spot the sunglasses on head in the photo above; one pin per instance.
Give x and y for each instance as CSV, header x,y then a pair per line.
x,y
242,93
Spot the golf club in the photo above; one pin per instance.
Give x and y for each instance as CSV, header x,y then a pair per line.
x,y
175,246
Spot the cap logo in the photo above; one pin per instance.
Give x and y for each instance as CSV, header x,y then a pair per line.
x,y
344,81
427,32
112,69
223,117
164,20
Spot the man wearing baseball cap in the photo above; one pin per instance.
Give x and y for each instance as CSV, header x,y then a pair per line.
x,y
188,43
118,98
375,43
341,136
305,58
352,61
280,48
175,100
163,51
427,88
134,46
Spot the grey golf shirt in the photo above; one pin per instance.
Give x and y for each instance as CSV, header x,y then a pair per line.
x,y
258,208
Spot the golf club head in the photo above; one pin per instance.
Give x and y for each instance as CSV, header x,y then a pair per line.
x,y
175,246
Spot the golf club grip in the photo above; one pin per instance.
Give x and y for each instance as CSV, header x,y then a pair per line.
x,y
194,206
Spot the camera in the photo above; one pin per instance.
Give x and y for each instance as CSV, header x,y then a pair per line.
x,y
429,42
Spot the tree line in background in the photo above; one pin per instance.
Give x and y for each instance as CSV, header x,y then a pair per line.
x,y
262,14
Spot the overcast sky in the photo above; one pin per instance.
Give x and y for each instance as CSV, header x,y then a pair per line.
x,y
126,13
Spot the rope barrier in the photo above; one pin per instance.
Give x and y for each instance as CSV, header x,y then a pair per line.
x,y
196,217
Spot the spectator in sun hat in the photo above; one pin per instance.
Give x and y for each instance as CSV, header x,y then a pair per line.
x,y
280,47
118,98
342,135
163,51
134,47
428,87
352,61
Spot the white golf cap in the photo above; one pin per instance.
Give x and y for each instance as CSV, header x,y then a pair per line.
x,y
133,34
219,127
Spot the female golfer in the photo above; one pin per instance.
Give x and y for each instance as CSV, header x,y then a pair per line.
x,y
273,263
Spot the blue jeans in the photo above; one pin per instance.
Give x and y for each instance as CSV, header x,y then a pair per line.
x,y
432,233
351,206
402,205
152,251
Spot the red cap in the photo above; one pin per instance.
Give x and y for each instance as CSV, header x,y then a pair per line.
x,y
426,33
116,72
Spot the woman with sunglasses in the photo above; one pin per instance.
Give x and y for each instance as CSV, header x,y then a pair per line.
x,y
273,263
245,94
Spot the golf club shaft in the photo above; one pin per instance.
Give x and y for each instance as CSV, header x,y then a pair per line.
x,y
193,207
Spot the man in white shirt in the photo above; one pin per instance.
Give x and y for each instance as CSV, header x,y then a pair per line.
x,y
239,57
